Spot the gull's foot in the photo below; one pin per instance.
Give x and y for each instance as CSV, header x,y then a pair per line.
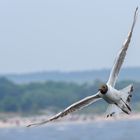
x,y
110,115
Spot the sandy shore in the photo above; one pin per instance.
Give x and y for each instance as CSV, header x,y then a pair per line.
x,y
23,121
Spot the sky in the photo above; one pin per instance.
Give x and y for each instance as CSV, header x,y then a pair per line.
x,y
65,35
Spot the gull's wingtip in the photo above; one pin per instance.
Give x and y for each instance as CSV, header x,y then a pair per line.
x,y
136,9
29,125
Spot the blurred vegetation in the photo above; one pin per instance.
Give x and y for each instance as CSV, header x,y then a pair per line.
x,y
53,96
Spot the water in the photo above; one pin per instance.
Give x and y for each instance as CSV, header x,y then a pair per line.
x,y
116,130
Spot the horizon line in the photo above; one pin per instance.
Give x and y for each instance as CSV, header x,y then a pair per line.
x,y
64,71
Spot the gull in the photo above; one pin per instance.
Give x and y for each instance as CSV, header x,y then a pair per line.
x,y
118,100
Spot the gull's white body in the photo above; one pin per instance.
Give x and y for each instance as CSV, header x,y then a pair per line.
x,y
112,95
119,100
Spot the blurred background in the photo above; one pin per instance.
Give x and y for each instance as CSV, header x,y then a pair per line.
x,y
56,52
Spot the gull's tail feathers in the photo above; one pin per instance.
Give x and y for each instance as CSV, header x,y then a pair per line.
x,y
127,94
113,111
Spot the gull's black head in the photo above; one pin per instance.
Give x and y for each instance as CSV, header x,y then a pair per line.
x,y
103,89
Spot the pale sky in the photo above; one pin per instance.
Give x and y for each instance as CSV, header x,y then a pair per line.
x,y
65,35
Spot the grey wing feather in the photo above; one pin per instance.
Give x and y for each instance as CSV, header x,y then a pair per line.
x,y
121,55
76,106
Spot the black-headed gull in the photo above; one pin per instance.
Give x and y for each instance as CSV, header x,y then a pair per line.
x,y
117,99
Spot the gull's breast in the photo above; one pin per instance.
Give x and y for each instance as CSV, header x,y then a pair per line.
x,y
112,96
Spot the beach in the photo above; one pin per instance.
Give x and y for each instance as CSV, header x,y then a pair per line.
x,y
18,121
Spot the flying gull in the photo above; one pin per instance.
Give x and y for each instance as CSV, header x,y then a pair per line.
x,y
118,100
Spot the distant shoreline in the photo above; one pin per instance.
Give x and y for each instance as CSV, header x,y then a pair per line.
x,y
24,121
81,76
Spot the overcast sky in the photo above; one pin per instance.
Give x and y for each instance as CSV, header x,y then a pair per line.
x,y
65,35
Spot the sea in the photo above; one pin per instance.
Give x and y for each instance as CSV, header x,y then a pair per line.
x,y
100,130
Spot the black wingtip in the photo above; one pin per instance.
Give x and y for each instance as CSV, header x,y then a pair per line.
x,y
29,125
136,10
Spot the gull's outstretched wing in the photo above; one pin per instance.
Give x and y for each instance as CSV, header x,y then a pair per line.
x,y
76,106
121,55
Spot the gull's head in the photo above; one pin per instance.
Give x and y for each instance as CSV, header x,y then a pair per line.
x,y
103,88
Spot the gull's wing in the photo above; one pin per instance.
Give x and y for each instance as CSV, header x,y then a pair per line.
x,y
121,55
113,110
76,106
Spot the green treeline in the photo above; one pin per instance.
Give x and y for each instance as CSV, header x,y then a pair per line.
x,y
33,97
